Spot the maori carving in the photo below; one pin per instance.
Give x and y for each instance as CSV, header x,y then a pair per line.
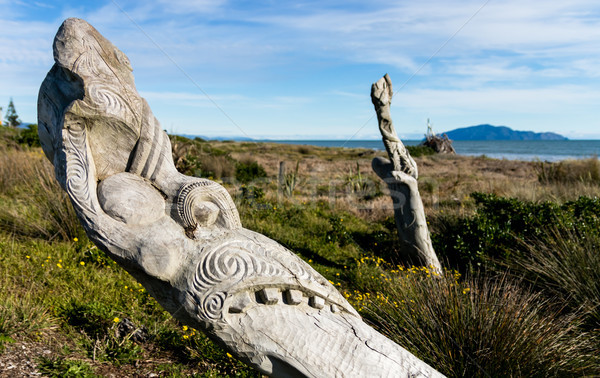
x,y
400,173
181,237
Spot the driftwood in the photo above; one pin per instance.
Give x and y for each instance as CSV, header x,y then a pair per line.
x,y
440,144
181,237
400,173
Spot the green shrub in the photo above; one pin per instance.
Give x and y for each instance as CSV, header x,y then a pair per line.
x,y
29,136
246,172
199,158
417,151
253,196
499,223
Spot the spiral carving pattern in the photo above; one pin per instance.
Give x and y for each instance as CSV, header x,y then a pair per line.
x,y
187,196
212,305
232,263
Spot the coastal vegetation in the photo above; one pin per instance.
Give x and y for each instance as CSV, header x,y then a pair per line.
x,y
519,240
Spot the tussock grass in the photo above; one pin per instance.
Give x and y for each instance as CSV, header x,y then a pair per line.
x,y
566,266
478,326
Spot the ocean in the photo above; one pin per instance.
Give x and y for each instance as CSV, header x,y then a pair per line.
x,y
543,150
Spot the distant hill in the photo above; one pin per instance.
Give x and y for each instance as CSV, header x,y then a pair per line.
x,y
219,138
489,132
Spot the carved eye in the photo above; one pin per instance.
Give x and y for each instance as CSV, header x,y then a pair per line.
x,y
205,213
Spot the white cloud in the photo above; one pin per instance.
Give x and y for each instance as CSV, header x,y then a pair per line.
x,y
531,101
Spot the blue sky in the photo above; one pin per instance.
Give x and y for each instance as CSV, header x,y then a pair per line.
x,y
303,70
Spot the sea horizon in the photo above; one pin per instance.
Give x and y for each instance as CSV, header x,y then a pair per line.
x,y
528,150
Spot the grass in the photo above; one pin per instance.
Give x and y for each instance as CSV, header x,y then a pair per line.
x,y
585,170
63,294
550,265
480,326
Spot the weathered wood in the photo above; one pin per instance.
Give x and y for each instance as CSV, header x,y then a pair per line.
x,y
181,237
400,173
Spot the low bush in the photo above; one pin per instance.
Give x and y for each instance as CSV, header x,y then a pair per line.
x,y
247,171
499,223
417,151
29,136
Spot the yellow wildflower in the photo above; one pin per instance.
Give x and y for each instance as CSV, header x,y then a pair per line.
x,y
58,265
75,239
116,320
81,263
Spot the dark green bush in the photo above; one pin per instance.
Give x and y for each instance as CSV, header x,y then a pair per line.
x,y
246,172
29,136
498,225
416,151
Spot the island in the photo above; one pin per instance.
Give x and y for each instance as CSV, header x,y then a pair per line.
x,y
490,132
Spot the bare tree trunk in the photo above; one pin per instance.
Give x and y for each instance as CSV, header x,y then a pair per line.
x,y
400,173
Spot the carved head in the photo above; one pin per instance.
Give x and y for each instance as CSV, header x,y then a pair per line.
x,y
90,84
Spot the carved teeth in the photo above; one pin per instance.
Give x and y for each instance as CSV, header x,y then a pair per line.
x,y
293,297
316,302
239,303
269,296
335,308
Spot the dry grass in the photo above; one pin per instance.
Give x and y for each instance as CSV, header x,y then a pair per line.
x,y
16,168
26,177
568,171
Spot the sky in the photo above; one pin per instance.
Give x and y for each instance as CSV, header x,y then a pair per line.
x,y
303,69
